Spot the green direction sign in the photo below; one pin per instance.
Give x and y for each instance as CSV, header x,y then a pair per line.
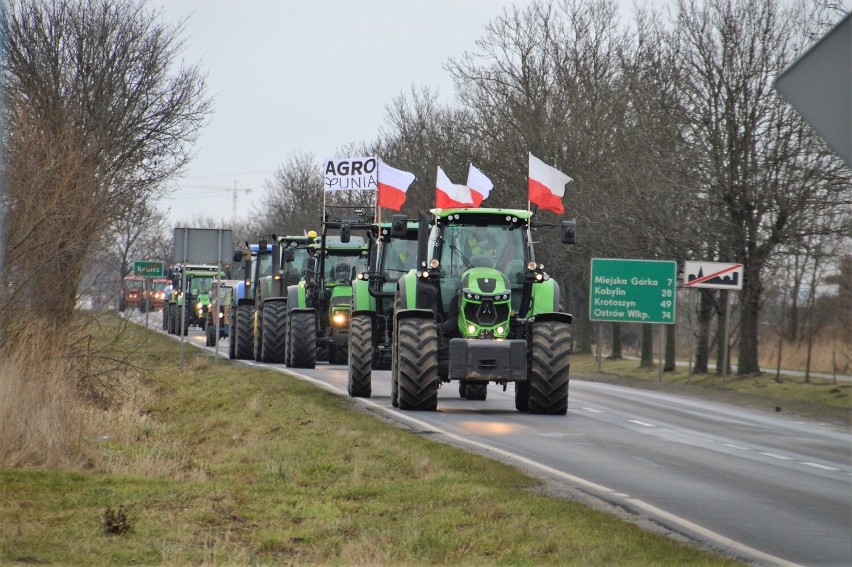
x,y
148,269
633,291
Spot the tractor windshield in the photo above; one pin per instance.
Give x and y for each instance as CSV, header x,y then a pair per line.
x,y
264,265
342,266
199,285
466,246
399,256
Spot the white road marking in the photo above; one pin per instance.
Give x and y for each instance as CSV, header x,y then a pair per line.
x,y
818,466
642,423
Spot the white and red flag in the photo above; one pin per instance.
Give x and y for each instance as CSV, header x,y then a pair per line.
x,y
449,195
479,185
393,185
547,186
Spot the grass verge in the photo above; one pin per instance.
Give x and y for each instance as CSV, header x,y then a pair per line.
x,y
226,464
818,399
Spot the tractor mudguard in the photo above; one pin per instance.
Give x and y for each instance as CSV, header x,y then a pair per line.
x,y
566,318
296,297
417,293
545,298
362,301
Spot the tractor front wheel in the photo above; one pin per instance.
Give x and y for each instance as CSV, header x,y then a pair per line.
x,y
272,334
360,357
548,378
303,339
417,364
242,331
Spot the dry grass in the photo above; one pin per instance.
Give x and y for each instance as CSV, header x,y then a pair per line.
x,y
40,419
828,355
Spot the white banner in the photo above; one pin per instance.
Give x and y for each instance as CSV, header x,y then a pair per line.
x,y
351,174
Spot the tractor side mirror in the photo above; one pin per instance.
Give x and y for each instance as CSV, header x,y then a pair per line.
x,y
399,225
568,231
238,255
287,255
345,233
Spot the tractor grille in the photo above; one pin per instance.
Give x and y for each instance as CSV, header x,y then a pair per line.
x,y
487,313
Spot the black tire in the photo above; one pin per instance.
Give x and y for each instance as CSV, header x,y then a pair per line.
x,y
339,354
462,389
397,306
322,350
183,323
522,396
242,332
210,334
257,335
417,352
360,356
288,359
173,323
476,391
548,378
232,343
165,317
272,332
303,339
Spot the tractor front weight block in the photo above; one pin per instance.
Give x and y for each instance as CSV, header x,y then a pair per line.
x,y
487,359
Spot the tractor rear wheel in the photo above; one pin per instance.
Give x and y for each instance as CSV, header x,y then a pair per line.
x,y
417,364
476,391
242,332
303,339
272,335
232,342
166,317
360,356
548,379
173,320
210,334
522,396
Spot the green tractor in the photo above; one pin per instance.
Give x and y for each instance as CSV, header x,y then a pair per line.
x,y
318,306
393,253
261,314
189,309
480,309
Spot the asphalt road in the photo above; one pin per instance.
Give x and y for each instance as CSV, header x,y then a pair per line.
x,y
759,486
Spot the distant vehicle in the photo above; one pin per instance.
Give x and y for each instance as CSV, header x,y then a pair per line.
x,y
132,293
221,297
159,292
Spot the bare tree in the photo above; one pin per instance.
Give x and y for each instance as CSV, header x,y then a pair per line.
x,y
100,112
764,169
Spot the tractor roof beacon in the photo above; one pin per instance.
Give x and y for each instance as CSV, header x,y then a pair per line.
x,y
479,309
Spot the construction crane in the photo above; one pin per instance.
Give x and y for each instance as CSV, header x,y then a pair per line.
x,y
236,190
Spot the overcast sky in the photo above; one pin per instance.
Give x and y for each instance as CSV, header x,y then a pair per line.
x,y
306,76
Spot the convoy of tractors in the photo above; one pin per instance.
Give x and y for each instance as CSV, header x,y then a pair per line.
x,y
455,295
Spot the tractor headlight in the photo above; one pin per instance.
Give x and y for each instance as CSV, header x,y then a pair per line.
x,y
500,330
434,263
199,306
340,318
539,277
471,330
532,266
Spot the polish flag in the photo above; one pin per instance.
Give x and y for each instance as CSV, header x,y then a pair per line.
x,y
547,186
449,195
393,185
479,185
